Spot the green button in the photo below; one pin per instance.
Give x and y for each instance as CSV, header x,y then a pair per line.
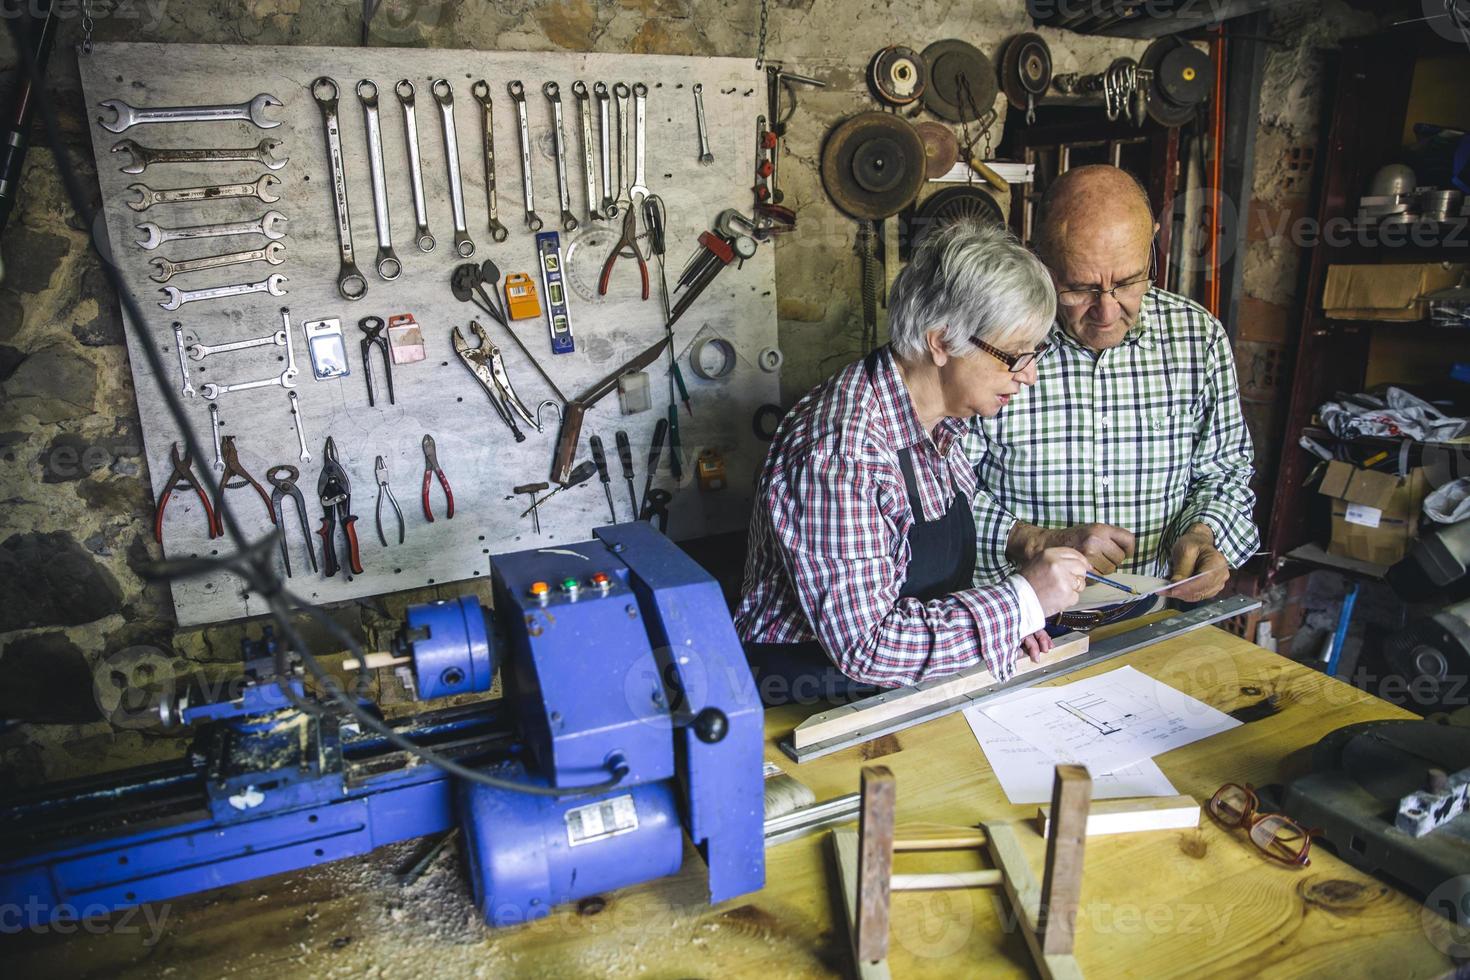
x,y
570,583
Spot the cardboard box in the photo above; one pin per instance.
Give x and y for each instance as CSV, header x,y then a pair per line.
x,y
1385,292
1375,515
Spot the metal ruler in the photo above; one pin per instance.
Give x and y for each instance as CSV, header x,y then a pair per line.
x,y
1114,646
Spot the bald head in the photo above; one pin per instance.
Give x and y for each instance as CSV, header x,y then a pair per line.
x,y
1096,201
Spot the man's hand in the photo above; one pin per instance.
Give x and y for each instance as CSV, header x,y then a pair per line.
x,y
1195,553
1057,578
1036,644
1103,545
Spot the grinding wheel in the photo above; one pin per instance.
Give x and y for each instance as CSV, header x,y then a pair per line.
x,y
1182,79
873,165
1025,70
953,204
947,61
898,75
941,148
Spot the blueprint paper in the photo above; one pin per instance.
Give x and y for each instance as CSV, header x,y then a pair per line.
x,y
1110,721
1026,772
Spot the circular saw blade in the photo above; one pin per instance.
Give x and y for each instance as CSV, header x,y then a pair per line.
x,y
941,148
1025,70
1181,80
873,165
898,75
948,61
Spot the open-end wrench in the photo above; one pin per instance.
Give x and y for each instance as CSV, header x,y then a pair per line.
x,y
199,352
639,189
589,171
286,379
188,389
219,462
300,427
273,284
621,93
481,92
388,265
272,225
129,116
528,187
274,254
262,190
705,156
444,95
425,241
604,130
351,283
552,91
263,153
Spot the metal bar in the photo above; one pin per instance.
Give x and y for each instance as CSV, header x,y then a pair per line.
x,y
1114,646
811,819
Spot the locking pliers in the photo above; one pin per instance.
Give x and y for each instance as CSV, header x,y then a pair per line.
x,y
488,367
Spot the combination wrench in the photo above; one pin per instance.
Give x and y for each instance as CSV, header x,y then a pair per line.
x,y
424,240
199,352
481,92
528,189
188,389
300,427
128,116
286,379
604,128
273,254
444,96
351,283
273,284
271,225
388,265
552,91
639,189
621,93
705,156
584,110
219,463
262,190
143,157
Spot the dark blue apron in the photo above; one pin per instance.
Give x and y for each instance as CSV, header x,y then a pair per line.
x,y
941,562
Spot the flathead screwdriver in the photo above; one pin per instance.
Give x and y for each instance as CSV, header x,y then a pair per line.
x,y
600,459
625,456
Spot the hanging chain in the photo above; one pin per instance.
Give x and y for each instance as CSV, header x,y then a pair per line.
x,y
867,249
87,25
760,47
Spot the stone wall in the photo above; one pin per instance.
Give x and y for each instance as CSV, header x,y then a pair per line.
x,y
77,619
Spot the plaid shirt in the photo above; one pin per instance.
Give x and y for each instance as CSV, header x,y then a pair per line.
x,y
829,548
1147,436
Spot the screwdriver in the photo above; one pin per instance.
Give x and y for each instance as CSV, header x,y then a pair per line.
x,y
625,456
600,458
575,478
653,219
654,451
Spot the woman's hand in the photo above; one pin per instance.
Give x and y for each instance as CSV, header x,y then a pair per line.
x,y
1057,576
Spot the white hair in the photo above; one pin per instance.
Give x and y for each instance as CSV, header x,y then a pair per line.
x,y
970,279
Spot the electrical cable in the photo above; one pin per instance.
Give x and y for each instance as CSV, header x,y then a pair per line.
x,y
250,561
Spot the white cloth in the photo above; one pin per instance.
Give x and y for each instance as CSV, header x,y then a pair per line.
x,y
1032,618
1398,415
1450,504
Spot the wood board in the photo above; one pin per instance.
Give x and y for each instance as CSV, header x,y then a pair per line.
x,y
438,395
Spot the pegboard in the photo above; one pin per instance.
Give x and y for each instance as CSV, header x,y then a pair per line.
x,y
438,396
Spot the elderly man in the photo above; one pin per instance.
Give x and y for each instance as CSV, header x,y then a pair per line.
x,y
1131,448
862,538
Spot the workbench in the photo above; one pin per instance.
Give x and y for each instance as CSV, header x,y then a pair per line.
x,y
1159,904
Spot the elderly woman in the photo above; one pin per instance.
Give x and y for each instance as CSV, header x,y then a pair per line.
x,y
862,542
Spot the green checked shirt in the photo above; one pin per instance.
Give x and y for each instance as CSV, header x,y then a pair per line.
x,y
1146,436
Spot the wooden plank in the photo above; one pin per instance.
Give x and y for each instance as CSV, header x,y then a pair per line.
x,y
1131,816
1024,893
875,862
437,395
1061,886
849,718
845,849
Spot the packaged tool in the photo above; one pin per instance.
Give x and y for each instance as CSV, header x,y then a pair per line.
x,y
710,468
633,393
521,300
328,349
558,316
405,339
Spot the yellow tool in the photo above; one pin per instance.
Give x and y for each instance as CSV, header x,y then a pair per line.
x,y
521,300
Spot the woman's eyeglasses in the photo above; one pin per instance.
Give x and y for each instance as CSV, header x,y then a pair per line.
x,y
1014,363
1278,836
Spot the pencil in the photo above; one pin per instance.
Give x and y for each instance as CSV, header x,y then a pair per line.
x,y
1117,585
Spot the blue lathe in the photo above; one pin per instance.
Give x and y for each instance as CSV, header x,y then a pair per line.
x,y
621,672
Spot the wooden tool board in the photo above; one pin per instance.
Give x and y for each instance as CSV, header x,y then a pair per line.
x,y
438,395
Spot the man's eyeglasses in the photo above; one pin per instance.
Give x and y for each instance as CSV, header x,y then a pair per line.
x,y
1278,836
1015,363
1124,292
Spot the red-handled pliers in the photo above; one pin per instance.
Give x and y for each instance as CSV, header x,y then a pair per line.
x,y
431,470
181,478
627,247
